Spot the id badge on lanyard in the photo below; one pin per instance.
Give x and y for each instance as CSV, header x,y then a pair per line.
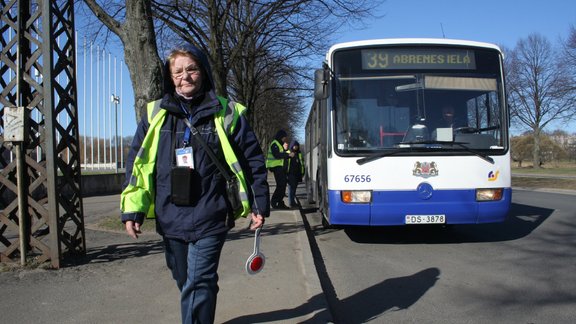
x,y
184,157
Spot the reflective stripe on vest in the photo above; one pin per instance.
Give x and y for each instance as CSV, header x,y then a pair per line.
x,y
271,160
225,121
139,195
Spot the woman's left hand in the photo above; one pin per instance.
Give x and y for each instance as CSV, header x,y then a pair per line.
x,y
257,221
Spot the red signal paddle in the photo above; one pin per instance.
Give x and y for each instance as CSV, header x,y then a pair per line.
x,y
255,262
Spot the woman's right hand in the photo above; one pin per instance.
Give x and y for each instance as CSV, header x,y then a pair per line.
x,y
133,229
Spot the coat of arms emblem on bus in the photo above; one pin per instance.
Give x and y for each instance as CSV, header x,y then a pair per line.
x,y
425,169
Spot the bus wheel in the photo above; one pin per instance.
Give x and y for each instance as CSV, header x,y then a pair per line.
x,y
309,192
325,224
325,220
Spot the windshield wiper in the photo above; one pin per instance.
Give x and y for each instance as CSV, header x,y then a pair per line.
x,y
377,156
479,154
472,130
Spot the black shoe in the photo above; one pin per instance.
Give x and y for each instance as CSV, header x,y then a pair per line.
x,y
281,205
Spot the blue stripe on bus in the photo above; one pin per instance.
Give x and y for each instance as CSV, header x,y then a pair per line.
x,y
391,207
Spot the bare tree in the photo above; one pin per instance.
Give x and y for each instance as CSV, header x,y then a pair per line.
x,y
569,54
276,109
134,25
538,88
257,48
569,63
521,148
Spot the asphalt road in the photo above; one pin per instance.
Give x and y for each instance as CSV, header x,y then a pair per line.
x,y
519,271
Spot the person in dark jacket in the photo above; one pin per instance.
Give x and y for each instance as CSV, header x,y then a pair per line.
x,y
276,162
295,172
194,233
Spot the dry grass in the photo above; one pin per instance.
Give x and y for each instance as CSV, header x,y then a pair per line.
x,y
557,168
554,183
553,168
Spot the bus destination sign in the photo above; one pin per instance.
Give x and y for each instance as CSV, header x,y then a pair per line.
x,y
417,58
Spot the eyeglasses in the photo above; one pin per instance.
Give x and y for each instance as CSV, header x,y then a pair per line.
x,y
189,70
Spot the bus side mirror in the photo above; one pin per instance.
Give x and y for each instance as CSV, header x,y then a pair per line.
x,y
321,84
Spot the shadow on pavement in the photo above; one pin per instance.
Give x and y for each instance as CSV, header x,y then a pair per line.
x,y
312,305
242,232
119,251
391,294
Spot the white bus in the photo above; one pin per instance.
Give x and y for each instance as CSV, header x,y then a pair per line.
x,y
409,131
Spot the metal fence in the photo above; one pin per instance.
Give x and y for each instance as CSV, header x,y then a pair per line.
x,y
101,108
101,97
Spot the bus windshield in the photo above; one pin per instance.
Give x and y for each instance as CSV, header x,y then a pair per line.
x,y
416,97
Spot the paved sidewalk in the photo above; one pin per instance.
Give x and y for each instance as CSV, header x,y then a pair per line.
x,y
126,281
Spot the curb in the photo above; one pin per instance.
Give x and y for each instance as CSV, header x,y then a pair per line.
x,y
313,286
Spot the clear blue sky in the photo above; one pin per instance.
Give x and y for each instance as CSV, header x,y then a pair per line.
x,y
502,22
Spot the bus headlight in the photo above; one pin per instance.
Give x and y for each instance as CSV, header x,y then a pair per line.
x,y
362,197
489,194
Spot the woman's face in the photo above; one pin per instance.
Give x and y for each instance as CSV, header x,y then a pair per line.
x,y
186,75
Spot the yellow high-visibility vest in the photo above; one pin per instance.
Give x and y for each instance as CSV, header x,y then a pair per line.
x,y
271,160
139,195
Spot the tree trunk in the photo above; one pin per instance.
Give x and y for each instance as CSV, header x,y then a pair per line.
x,y
140,51
141,54
536,150
215,51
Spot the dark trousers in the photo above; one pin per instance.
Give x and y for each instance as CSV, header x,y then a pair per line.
x,y
194,266
280,191
292,186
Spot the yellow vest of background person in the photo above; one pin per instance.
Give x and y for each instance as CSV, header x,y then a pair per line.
x,y
271,161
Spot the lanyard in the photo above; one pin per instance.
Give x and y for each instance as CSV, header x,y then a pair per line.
x,y
186,138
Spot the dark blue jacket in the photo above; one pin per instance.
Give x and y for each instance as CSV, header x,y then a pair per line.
x,y
207,214
294,169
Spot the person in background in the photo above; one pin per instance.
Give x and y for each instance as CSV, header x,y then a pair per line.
x,y
445,127
295,172
276,163
449,119
191,206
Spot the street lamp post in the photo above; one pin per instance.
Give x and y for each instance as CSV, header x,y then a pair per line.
x,y
115,100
